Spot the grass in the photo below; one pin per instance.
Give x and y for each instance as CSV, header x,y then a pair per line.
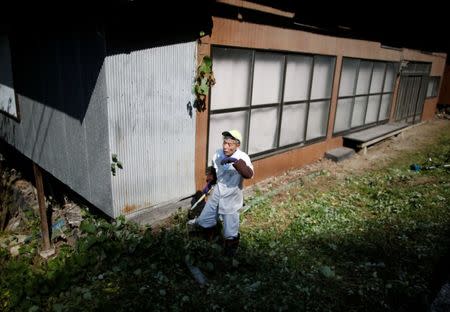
x,y
367,242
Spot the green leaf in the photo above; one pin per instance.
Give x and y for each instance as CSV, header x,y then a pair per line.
x,y
206,65
57,307
87,295
119,165
209,266
88,227
114,157
327,271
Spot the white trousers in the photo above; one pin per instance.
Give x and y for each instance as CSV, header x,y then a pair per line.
x,y
210,214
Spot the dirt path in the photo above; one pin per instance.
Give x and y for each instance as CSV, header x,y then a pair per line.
x,y
377,155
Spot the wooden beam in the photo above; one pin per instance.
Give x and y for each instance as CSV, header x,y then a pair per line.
x,y
42,209
257,7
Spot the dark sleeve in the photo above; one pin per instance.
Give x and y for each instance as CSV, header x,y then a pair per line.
x,y
241,167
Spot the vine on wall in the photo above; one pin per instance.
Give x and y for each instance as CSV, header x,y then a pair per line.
x,y
203,80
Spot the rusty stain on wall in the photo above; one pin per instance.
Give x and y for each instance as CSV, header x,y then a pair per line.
x,y
129,208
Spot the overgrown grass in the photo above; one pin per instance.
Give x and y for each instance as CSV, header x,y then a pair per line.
x,y
369,242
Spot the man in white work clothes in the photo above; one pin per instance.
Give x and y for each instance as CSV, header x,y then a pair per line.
x,y
232,166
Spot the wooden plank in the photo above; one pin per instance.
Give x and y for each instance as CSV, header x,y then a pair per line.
x,y
379,138
42,208
375,132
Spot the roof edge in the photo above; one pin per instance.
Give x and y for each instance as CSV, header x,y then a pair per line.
x,y
257,7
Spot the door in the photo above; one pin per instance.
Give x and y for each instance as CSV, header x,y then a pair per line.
x,y
412,92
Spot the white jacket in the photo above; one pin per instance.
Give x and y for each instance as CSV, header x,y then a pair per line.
x,y
229,182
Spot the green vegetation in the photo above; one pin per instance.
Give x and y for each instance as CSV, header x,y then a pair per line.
x,y
367,242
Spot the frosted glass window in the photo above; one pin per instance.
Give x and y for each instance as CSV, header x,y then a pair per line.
x,y
7,93
343,114
322,77
433,86
377,77
385,107
390,78
232,72
263,125
293,124
372,108
365,72
221,122
267,78
348,76
317,119
430,87
359,111
298,73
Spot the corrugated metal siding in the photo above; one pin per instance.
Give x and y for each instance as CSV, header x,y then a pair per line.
x,y
61,88
150,128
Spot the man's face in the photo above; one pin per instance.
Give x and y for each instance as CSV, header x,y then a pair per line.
x,y
230,146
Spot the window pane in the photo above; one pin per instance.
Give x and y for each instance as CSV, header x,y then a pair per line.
x,y
436,86
343,114
322,77
385,107
359,110
263,125
433,86
298,73
430,87
317,119
267,78
7,94
232,72
372,108
365,71
348,77
221,122
390,77
293,124
377,77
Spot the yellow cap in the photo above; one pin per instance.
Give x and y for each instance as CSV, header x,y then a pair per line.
x,y
234,134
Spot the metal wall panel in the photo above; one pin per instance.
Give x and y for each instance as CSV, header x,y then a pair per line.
x,y
151,128
61,90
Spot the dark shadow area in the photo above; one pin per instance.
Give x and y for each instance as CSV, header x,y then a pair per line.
x,y
370,271
404,26
140,24
58,50
57,69
52,186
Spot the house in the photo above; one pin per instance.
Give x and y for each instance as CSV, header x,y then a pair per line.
x,y
106,105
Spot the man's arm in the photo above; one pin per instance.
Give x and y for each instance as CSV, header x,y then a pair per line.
x,y
241,167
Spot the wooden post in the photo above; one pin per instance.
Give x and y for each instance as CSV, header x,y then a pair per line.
x,y
42,208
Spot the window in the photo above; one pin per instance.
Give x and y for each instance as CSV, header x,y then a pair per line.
x,y
7,94
276,100
365,93
433,86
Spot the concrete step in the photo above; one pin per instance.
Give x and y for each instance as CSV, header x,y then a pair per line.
x,y
339,154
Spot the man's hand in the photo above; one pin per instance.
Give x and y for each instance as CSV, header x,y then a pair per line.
x,y
228,160
207,188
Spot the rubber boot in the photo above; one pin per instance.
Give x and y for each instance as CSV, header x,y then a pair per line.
x,y
231,245
209,233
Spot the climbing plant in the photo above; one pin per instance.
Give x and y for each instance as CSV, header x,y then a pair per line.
x,y
115,163
203,80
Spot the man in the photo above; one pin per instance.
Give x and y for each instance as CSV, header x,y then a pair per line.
x,y
232,166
